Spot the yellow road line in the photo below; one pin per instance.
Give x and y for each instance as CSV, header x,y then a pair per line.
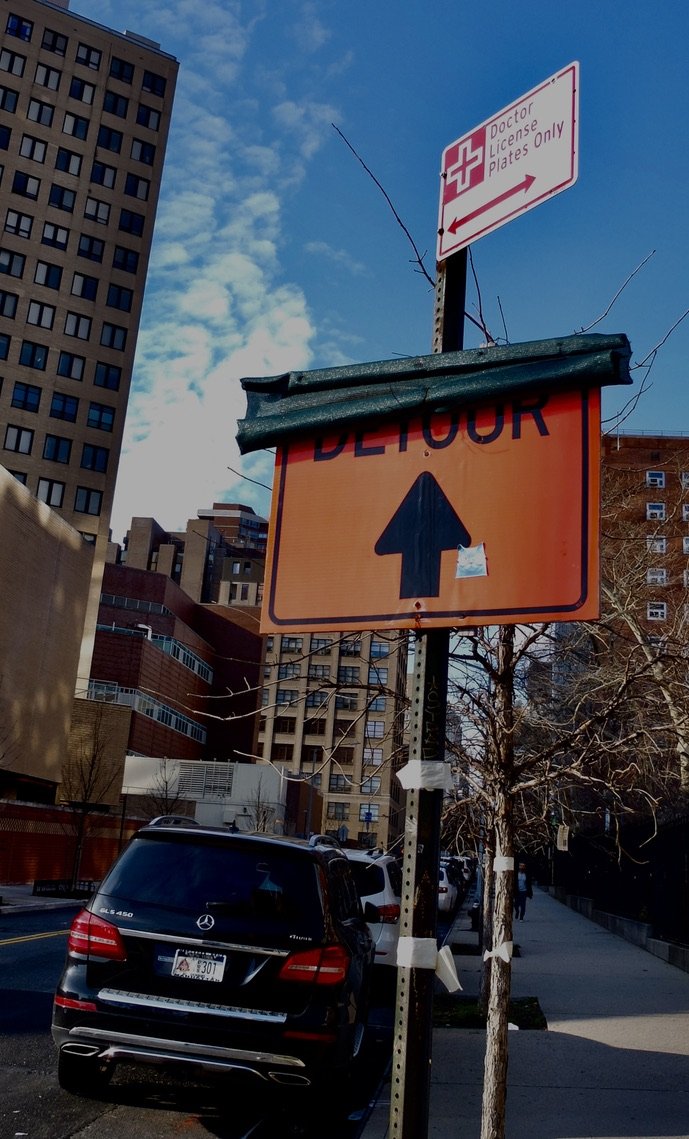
x,y
33,937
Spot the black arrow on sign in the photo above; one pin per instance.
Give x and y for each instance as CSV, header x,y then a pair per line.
x,y
424,524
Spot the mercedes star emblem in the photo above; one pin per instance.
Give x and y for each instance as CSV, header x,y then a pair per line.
x,y
206,921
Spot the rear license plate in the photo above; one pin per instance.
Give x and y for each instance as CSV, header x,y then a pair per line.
x,y
195,965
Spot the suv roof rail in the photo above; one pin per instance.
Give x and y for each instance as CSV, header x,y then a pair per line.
x,y
173,821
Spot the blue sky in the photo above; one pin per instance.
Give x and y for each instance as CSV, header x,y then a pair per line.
x,y
274,250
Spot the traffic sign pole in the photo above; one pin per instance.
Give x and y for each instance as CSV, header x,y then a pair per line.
x,y
412,1048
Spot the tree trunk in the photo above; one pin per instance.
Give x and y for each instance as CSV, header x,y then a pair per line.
x,y
495,1068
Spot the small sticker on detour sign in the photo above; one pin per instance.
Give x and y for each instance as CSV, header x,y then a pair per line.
x,y
473,516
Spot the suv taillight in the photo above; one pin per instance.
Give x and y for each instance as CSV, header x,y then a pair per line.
x,y
389,915
90,936
327,966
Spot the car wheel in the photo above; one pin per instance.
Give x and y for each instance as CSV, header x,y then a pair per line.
x,y
82,1075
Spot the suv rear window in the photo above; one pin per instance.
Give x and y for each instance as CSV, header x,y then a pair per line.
x,y
253,886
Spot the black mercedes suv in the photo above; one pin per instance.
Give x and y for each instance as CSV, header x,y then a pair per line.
x,y
217,951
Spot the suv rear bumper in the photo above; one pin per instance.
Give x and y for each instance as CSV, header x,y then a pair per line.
x,y
123,1047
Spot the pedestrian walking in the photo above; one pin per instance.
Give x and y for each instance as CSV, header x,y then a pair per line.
x,y
522,891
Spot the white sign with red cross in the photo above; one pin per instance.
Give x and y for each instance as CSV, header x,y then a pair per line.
x,y
510,163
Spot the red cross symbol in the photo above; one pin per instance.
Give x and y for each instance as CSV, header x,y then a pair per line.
x,y
465,165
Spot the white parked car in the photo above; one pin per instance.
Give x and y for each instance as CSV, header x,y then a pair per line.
x,y
378,879
447,893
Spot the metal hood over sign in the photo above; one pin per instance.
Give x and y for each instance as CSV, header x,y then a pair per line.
x,y
452,489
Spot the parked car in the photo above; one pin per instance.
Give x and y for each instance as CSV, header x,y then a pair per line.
x,y
447,892
378,879
216,951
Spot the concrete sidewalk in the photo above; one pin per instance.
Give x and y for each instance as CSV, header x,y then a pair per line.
x,y
21,900
614,1062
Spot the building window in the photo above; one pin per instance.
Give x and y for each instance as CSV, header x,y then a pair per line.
x,y
373,756
380,649
62,198
53,41
375,729
77,325
71,366
76,125
19,224
285,724
292,644
377,704
12,62
377,675
369,812
48,275
685,545
286,696
40,314
125,259
656,610
12,263
18,439
84,286
33,148
656,545
685,511
684,479
286,671
55,235
655,478
33,355
116,104
48,77
91,248
64,407
97,211
655,511
143,151
338,810
8,100
26,396
107,376
137,187
94,458
110,139
131,222
8,304
103,175
113,336
316,699
148,117
4,345
371,786
656,576
121,69
338,782
25,185
57,449
350,648
40,112
68,161
347,700
120,297
101,417
19,27
81,90
320,646
347,674
51,492
88,501
88,56
153,83
319,672
282,753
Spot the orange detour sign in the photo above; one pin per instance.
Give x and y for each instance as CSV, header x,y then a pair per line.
x,y
473,516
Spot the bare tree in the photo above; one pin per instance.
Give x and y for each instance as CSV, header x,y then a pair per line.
x,y
89,778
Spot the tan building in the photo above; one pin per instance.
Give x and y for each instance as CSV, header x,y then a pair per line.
x,y
333,713
45,570
85,118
